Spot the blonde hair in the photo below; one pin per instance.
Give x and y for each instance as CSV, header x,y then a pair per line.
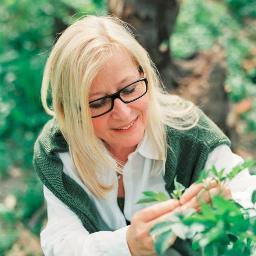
x,y
76,58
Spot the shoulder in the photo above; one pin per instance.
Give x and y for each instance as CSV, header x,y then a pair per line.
x,y
51,139
49,143
205,133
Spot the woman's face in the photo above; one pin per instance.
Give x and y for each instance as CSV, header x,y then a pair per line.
x,y
123,127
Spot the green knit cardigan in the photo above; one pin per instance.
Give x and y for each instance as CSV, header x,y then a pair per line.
x,y
186,157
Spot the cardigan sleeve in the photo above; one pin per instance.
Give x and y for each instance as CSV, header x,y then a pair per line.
x,y
65,235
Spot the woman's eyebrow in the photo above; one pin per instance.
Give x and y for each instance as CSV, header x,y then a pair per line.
x,y
101,94
119,87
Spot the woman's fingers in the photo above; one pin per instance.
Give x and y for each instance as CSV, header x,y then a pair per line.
x,y
195,188
157,210
138,236
205,196
139,239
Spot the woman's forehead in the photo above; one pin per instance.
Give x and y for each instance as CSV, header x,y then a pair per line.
x,y
118,69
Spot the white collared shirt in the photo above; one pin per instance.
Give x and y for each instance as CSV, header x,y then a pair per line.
x,y
64,233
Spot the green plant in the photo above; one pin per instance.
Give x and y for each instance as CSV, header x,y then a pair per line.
x,y
7,226
220,228
242,8
27,33
201,24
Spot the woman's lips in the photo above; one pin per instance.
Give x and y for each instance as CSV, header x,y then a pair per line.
x,y
127,127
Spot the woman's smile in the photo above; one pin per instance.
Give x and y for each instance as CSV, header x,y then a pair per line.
x,y
127,127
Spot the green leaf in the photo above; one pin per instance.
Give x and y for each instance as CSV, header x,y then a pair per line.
x,y
161,196
146,200
161,227
208,211
151,196
199,219
149,193
163,242
223,205
204,174
213,234
214,171
178,189
221,174
253,199
178,185
250,164
237,223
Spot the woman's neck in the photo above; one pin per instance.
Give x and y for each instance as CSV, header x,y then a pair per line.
x,y
121,153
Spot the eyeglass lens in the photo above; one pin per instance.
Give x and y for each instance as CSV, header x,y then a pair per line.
x,y
127,94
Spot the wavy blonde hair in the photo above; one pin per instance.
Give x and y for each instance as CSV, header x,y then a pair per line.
x,y
76,58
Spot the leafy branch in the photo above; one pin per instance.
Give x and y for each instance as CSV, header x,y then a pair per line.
x,y
220,228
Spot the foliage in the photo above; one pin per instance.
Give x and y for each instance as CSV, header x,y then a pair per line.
x,y
222,227
8,233
28,200
24,46
242,8
179,189
27,32
201,24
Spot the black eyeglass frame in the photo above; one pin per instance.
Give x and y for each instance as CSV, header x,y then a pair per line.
x,y
116,95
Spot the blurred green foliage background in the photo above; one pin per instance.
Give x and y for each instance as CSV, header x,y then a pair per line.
x,y
27,32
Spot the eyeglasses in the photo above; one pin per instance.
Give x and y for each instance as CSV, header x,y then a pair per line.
x,y
127,94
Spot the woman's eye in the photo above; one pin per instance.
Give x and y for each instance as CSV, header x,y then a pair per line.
x,y
130,89
98,103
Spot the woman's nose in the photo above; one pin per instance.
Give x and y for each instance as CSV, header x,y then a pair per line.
x,y
120,109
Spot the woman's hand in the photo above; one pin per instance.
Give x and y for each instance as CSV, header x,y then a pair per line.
x,y
139,239
202,192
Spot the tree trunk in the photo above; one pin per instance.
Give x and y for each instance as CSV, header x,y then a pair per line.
x,y
154,21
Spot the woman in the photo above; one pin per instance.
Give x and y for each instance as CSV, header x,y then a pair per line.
x,y
115,134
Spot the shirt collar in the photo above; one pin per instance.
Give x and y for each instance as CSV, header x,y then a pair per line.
x,y
147,148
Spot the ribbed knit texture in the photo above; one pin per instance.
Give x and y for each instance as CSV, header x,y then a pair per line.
x,y
188,151
186,157
49,169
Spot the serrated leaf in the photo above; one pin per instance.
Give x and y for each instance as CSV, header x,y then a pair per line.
x,y
214,171
213,234
222,204
203,175
178,189
221,174
161,227
250,164
146,200
181,230
149,193
199,219
177,185
161,196
151,196
208,211
163,242
236,170
238,223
